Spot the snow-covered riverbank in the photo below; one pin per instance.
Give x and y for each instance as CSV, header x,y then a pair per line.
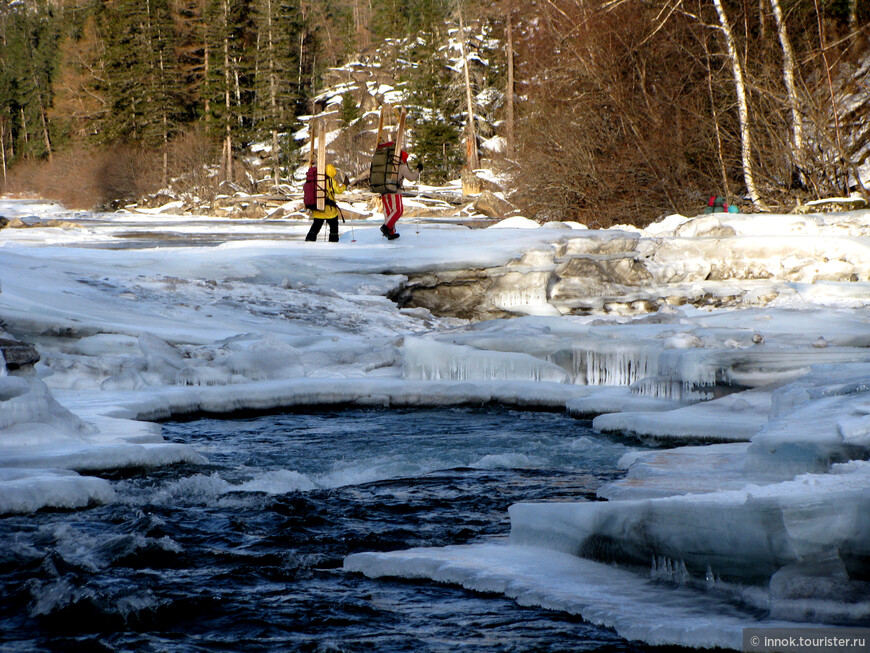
x,y
774,382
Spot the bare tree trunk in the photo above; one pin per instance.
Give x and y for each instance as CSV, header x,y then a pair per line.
x,y
273,93
24,131
509,95
152,47
237,85
471,143
834,109
3,149
725,185
228,139
205,57
788,68
45,133
228,156
742,107
165,175
301,47
361,19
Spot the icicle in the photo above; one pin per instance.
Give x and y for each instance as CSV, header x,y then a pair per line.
x,y
666,570
710,578
431,360
619,366
664,387
3,370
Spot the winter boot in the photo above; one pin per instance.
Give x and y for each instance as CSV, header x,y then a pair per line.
x,y
386,231
392,236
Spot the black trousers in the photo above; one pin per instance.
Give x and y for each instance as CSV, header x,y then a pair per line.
x,y
318,224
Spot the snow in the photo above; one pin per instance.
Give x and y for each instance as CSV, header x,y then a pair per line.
x,y
601,594
741,343
516,222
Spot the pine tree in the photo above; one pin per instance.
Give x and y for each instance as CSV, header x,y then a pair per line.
x,y
231,39
191,46
349,110
436,114
7,92
30,37
399,18
278,24
142,85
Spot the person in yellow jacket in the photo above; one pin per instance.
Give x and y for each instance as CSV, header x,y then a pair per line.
x,y
330,211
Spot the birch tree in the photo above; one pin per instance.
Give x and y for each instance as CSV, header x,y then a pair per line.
x,y
788,76
742,106
471,132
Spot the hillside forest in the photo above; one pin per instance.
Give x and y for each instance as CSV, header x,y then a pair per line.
x,y
601,111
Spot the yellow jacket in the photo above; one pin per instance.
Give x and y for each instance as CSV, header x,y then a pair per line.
x,y
332,189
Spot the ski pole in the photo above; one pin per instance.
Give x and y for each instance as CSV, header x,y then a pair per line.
x,y
341,213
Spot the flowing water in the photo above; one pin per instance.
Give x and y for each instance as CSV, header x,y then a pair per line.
x,y
244,551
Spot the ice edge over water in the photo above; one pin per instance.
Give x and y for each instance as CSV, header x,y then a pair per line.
x,y
657,614
256,325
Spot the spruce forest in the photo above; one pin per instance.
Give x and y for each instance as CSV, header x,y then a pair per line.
x,y
609,111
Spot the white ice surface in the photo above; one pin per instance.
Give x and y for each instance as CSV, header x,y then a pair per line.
x,y
27,490
132,327
637,609
739,534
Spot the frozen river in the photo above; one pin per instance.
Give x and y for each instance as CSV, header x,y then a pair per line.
x,y
716,368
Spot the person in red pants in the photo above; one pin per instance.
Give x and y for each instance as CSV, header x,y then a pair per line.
x,y
393,207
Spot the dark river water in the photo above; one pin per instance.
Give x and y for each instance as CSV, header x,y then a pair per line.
x,y
244,552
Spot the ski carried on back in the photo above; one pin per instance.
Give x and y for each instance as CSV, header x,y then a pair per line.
x,y
314,188
321,165
400,141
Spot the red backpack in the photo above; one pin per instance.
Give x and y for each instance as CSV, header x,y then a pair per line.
x,y
309,189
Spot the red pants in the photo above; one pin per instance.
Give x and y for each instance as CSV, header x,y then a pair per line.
x,y
393,209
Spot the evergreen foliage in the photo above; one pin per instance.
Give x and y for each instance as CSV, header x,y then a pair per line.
x,y
616,101
143,90
435,108
277,92
350,112
28,52
399,18
228,84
